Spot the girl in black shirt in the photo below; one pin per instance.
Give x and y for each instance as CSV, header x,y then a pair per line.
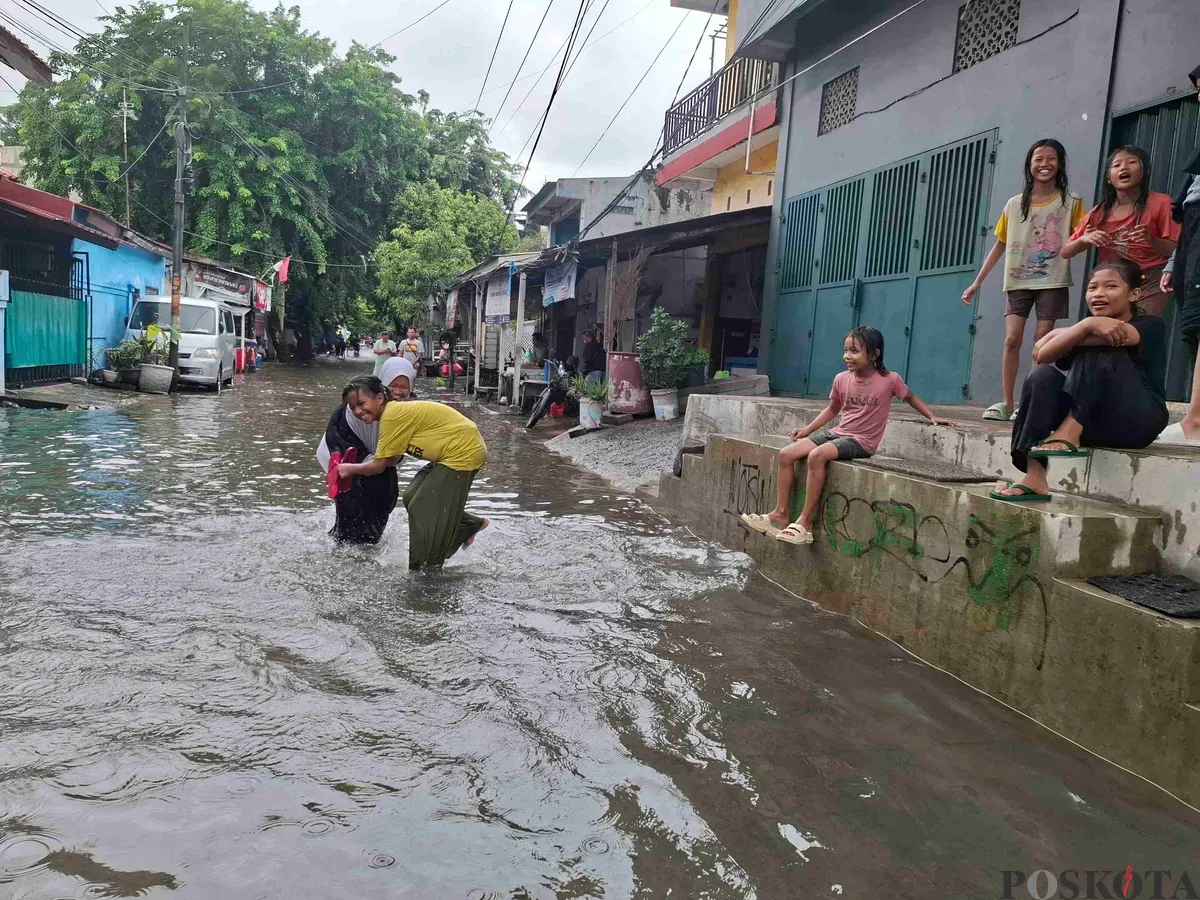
x,y
1099,383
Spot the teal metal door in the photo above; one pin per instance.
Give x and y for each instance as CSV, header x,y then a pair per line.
x,y
1168,132
894,249
943,327
792,335
837,290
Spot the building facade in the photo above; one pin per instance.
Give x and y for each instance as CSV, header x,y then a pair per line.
x,y
567,205
903,131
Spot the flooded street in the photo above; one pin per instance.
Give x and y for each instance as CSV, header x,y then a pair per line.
x,y
201,696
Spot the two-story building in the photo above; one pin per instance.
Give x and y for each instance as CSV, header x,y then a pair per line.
x,y
903,128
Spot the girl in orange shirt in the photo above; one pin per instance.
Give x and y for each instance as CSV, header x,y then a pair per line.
x,y
1131,222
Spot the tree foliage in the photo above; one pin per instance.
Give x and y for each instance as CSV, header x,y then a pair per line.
x,y
440,233
297,150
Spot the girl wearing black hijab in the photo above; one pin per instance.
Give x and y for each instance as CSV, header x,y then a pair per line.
x,y
1182,274
364,508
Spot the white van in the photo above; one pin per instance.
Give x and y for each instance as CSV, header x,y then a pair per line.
x,y
207,341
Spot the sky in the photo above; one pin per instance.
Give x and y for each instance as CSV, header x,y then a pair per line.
x,y
447,54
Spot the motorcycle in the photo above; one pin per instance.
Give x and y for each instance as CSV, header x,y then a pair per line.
x,y
554,392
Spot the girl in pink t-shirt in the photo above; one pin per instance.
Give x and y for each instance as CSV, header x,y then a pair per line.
x,y
863,395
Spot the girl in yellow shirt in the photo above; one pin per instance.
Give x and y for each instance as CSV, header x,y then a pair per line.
x,y
436,499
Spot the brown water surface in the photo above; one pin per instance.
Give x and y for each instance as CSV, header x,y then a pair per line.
x,y
202,697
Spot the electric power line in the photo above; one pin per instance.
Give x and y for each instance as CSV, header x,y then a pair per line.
x,y
495,49
532,40
339,222
411,24
625,102
54,20
130,166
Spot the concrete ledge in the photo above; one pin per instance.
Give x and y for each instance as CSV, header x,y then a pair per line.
x,y
984,589
1164,480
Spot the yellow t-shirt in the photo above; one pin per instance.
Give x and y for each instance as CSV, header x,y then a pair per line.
x,y
433,432
1032,245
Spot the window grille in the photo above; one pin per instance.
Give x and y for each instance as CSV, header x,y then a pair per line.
x,y
985,28
839,100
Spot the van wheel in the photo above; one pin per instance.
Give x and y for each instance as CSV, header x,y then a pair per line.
x,y
220,380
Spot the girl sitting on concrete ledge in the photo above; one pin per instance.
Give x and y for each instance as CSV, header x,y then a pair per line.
x,y
1097,383
863,396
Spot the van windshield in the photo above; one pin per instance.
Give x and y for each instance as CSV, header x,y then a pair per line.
x,y
192,319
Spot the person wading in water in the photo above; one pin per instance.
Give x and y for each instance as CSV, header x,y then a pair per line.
x,y
436,499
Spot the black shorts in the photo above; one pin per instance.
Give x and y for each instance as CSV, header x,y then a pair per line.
x,y
847,447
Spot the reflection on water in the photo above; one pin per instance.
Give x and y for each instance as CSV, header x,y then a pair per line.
x,y
201,695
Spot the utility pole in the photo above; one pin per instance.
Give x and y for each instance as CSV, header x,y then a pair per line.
x,y
182,151
125,150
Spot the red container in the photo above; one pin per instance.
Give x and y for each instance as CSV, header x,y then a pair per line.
x,y
628,394
239,360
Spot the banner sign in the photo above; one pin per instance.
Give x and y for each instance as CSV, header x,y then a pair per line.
x,y
226,281
260,295
451,309
560,284
498,292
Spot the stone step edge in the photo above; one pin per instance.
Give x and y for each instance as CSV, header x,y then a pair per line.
x,y
1116,510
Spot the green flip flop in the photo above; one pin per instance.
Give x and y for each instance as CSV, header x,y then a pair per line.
x,y
1071,451
1027,495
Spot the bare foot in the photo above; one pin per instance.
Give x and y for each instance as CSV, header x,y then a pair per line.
x,y
1191,429
469,541
778,519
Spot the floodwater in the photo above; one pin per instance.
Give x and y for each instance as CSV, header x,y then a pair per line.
x,y
202,697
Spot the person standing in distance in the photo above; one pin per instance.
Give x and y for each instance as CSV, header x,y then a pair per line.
x,y
385,349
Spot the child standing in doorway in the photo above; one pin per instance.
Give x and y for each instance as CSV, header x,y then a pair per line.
x,y
863,396
1131,222
1030,236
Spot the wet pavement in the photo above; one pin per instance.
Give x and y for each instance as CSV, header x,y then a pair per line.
x,y
202,697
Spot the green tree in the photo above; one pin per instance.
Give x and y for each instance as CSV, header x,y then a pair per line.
x,y
440,233
297,150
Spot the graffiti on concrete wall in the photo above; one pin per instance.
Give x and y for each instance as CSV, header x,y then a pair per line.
x,y
998,557
750,490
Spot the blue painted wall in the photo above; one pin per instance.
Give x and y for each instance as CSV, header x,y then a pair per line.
x,y
115,274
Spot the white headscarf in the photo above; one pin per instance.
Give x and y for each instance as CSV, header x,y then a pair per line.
x,y
394,368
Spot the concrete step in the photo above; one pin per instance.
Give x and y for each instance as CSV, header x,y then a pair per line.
x,y
987,590
867,512
1160,479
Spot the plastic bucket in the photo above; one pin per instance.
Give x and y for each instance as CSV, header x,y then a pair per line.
x,y
591,412
666,404
628,394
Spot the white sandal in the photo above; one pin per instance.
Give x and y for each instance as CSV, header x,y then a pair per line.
x,y
795,534
998,412
761,524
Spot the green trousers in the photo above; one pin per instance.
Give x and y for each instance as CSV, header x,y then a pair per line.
x,y
437,521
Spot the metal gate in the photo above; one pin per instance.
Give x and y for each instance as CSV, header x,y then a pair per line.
x,y
1168,132
893,248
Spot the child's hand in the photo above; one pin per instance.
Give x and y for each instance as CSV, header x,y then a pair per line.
x,y
1111,330
1166,283
938,420
1096,238
798,433
969,293
345,470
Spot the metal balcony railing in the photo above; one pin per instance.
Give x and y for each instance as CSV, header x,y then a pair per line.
x,y
712,101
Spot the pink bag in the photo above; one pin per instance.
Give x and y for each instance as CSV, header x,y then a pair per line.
x,y
333,483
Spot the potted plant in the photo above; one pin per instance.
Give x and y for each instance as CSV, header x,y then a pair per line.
x,y
154,375
696,371
127,358
112,366
664,359
591,395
